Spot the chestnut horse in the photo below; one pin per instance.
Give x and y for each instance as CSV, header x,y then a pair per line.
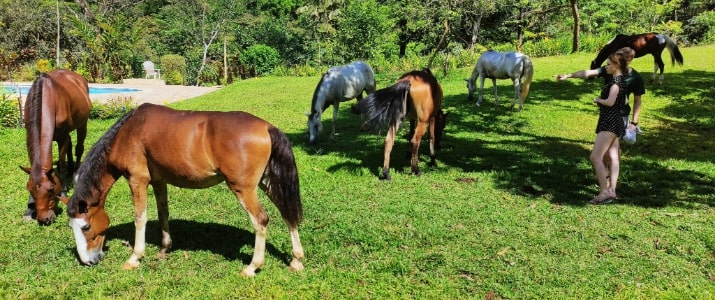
x,y
155,145
57,104
642,44
416,95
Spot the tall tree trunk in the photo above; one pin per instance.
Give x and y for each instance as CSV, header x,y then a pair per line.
x,y
475,31
520,29
225,62
576,27
57,3
439,45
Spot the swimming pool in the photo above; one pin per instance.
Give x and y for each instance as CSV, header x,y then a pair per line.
x,y
92,90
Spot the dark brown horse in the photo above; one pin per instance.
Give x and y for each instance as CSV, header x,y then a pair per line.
x,y
417,96
155,145
642,44
57,104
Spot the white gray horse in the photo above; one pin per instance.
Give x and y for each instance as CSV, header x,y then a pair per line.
x,y
502,65
339,84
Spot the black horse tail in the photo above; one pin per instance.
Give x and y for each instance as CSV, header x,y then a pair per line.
x,y
384,106
282,178
675,54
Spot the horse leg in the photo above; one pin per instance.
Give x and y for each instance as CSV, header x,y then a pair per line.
x,y
64,169
295,264
336,104
162,207
415,143
248,198
432,149
660,64
79,147
517,93
481,89
138,186
389,142
496,95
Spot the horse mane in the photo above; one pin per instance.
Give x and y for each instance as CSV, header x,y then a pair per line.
x,y
315,94
34,123
94,165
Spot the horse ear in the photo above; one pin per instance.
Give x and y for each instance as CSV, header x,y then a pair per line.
x,y
26,169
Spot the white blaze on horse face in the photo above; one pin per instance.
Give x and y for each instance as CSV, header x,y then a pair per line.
x,y
86,256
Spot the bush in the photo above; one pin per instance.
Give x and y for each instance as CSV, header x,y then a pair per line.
x,y
9,111
43,66
113,108
263,57
174,68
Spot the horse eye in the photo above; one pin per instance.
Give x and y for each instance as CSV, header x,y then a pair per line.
x,y
85,228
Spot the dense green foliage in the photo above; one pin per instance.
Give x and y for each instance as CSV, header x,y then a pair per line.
x,y
107,40
504,215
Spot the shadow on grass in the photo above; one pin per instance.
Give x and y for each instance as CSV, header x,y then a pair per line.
x,y
498,140
220,239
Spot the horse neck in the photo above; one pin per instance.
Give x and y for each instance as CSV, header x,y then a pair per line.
x,y
318,104
603,54
40,128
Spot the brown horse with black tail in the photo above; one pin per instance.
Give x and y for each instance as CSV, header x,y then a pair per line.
x,y
418,96
156,145
57,104
642,44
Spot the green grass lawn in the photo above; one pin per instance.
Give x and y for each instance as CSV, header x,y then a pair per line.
x,y
503,215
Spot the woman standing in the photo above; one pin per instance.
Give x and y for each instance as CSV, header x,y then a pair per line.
x,y
610,126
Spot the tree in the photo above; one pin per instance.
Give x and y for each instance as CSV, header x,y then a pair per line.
x,y
576,26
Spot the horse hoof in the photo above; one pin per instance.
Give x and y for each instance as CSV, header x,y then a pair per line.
x,y
295,266
130,266
248,272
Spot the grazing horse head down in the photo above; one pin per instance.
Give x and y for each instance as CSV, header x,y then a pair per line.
x,y
198,150
497,65
57,104
339,84
642,44
418,96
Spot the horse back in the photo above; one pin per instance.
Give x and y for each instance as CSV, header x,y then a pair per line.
x,y
67,93
425,95
192,149
497,65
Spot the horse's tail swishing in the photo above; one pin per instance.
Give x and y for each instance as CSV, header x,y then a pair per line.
x,y
384,106
282,186
675,54
527,75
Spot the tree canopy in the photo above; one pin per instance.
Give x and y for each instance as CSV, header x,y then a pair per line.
x,y
108,39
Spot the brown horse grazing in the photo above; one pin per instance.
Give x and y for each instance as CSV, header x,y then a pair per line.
x,y
416,95
642,44
57,103
155,145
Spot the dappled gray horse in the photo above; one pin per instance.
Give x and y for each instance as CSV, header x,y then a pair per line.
x,y
339,84
497,65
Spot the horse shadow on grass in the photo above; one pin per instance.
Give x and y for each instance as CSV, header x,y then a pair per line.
x,y
221,239
546,164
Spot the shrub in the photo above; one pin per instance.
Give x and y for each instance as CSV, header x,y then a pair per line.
x,y
174,68
113,108
43,66
263,57
9,111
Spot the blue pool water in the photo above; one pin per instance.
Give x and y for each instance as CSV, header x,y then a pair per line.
x,y
92,90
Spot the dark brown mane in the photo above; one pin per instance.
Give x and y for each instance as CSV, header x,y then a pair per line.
x,y
33,125
95,164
